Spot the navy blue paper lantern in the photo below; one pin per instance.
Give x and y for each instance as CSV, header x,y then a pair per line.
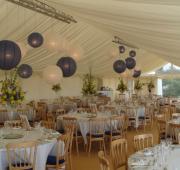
x,y
67,65
119,66
10,55
35,39
132,53
121,49
25,71
136,73
130,62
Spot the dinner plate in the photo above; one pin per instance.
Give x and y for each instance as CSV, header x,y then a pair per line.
x,y
16,128
148,153
12,136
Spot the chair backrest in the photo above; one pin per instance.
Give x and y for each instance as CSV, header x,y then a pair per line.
x,y
161,125
93,108
149,111
165,110
119,153
50,117
67,120
48,124
174,131
22,155
172,109
117,124
41,113
131,111
143,141
60,112
97,126
13,123
66,138
81,109
70,129
179,138
103,161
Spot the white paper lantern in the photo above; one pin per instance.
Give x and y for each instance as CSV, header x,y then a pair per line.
x,y
64,45
76,53
52,74
52,42
113,52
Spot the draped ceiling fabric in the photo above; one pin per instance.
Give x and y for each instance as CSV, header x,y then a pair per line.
x,y
153,26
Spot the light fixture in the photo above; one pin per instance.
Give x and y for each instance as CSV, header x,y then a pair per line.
x,y
10,55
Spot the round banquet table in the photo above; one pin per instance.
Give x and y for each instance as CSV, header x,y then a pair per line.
x,y
12,113
47,145
83,122
149,159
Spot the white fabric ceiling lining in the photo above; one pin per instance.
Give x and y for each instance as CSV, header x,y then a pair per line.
x,y
92,34
166,25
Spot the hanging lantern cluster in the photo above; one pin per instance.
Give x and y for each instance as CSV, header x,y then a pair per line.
x,y
10,57
10,54
120,66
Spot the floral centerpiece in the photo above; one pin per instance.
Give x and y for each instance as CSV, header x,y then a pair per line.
x,y
121,86
11,92
138,85
56,88
89,85
150,86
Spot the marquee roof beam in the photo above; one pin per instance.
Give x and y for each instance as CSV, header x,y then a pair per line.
x,y
43,8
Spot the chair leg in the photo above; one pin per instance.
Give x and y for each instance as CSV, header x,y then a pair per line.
x,y
77,146
89,146
110,144
104,147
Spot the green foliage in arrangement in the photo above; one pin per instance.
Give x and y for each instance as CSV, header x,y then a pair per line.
x,y
121,86
138,85
56,88
89,85
11,92
150,86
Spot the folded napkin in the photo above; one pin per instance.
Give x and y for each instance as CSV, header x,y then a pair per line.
x,y
139,163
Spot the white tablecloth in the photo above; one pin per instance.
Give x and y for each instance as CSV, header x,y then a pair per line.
x,y
136,111
12,114
172,161
67,107
83,122
45,148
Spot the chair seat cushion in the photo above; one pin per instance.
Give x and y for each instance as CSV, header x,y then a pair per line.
x,y
143,117
21,164
78,133
96,135
61,131
113,133
51,160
